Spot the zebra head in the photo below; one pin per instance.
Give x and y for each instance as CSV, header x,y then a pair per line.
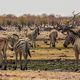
x,y
66,42
70,38
12,40
65,29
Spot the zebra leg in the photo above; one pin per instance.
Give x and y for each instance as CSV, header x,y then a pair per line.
x,y
20,61
5,61
77,59
34,44
50,44
25,58
53,45
16,60
1,59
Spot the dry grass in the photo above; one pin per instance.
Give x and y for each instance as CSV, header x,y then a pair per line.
x,y
44,51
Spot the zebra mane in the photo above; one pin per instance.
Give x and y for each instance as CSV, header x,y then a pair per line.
x,y
15,35
75,33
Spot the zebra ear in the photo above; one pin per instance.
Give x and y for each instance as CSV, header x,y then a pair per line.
x,y
9,37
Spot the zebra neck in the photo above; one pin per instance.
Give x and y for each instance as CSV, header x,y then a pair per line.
x,y
76,35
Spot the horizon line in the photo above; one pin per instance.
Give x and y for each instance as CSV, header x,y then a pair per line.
x,y
38,14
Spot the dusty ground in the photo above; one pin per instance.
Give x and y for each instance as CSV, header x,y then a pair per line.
x,y
38,75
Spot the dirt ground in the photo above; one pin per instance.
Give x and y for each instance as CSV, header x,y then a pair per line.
x,y
38,75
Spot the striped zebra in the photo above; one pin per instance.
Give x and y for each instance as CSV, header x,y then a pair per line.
x,y
74,38
33,35
53,35
3,48
69,39
21,48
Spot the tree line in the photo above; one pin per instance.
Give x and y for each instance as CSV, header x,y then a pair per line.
x,y
29,20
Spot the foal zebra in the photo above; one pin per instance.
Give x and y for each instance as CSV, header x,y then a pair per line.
x,y
20,47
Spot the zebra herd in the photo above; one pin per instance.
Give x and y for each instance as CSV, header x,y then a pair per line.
x,y
21,45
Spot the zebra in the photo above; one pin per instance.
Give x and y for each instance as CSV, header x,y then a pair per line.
x,y
19,27
33,35
70,38
20,47
75,39
3,49
53,35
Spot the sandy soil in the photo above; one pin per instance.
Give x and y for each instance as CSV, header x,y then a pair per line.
x,y
38,75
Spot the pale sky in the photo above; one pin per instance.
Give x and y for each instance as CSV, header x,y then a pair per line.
x,y
57,7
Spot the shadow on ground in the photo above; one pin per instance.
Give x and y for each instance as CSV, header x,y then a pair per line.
x,y
53,65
